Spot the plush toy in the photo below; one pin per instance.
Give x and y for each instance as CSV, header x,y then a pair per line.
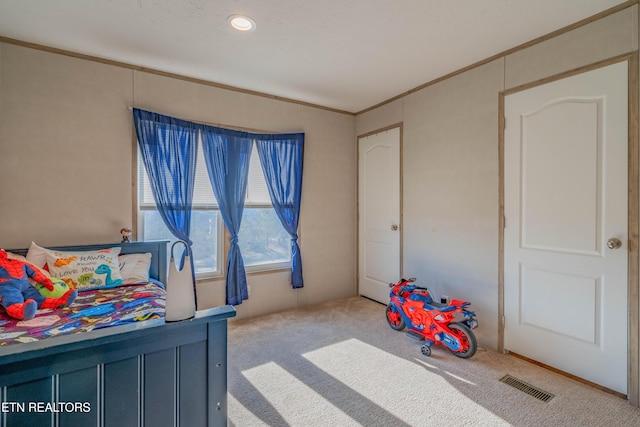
x,y
60,288
18,297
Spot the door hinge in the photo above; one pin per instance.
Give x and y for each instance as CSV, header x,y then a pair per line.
x,y
504,222
503,320
504,123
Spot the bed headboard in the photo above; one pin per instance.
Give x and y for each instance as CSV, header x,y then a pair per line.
x,y
158,250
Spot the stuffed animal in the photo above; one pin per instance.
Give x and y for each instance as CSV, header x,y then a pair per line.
x,y
60,288
18,297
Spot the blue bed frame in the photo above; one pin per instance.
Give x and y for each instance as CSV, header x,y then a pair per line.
x,y
147,373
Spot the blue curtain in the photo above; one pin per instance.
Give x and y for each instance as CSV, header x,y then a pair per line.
x,y
227,154
169,150
281,160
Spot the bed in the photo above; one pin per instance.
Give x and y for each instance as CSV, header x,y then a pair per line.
x,y
136,371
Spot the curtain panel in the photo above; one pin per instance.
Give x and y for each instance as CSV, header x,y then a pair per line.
x,y
281,160
169,154
227,154
169,149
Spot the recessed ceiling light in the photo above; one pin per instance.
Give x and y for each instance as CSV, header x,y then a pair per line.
x,y
242,22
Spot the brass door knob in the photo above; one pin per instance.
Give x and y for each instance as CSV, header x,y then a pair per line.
x,y
394,227
614,243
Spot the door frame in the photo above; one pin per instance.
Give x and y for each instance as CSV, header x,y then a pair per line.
x,y
633,291
401,198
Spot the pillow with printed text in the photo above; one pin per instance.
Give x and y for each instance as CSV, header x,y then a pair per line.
x,y
84,270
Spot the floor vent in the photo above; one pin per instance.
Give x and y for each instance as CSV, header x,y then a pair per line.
x,y
527,388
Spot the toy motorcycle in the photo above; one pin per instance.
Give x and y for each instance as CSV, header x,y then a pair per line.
x,y
430,321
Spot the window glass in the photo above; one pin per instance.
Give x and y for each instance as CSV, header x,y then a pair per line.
x,y
204,234
257,192
262,238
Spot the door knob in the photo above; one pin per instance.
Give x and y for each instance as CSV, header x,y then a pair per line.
x,y
614,243
394,227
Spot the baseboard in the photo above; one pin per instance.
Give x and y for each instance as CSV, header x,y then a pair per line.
x,y
568,375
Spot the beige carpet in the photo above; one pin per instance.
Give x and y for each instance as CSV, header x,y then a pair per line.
x,y
340,364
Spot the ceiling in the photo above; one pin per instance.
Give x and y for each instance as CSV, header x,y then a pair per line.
x,y
342,54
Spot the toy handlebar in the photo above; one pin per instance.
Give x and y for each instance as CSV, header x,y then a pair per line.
x,y
411,280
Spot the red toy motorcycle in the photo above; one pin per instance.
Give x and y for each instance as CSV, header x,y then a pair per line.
x,y
430,321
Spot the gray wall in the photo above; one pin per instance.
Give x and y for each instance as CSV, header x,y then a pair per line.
x,y
67,150
451,166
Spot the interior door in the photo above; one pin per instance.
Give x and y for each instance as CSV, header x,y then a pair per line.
x,y
565,236
379,213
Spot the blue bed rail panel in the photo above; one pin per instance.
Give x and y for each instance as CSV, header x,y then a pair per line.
x,y
120,401
79,386
193,412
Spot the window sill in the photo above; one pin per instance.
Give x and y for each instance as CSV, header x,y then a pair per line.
x,y
250,271
259,271
263,268
209,276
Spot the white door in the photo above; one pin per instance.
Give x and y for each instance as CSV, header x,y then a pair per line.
x,y
379,213
565,173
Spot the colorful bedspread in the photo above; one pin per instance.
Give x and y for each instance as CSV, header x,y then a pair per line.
x,y
96,309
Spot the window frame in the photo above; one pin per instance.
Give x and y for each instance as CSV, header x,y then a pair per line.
x,y
223,238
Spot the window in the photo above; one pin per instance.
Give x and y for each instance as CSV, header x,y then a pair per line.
x,y
263,241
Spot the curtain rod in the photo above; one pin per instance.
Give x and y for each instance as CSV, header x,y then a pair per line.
x,y
230,127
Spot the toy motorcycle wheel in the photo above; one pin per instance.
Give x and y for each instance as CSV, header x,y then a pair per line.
x,y
466,337
394,318
426,350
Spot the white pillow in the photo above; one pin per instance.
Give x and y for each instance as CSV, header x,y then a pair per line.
x,y
134,268
37,255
